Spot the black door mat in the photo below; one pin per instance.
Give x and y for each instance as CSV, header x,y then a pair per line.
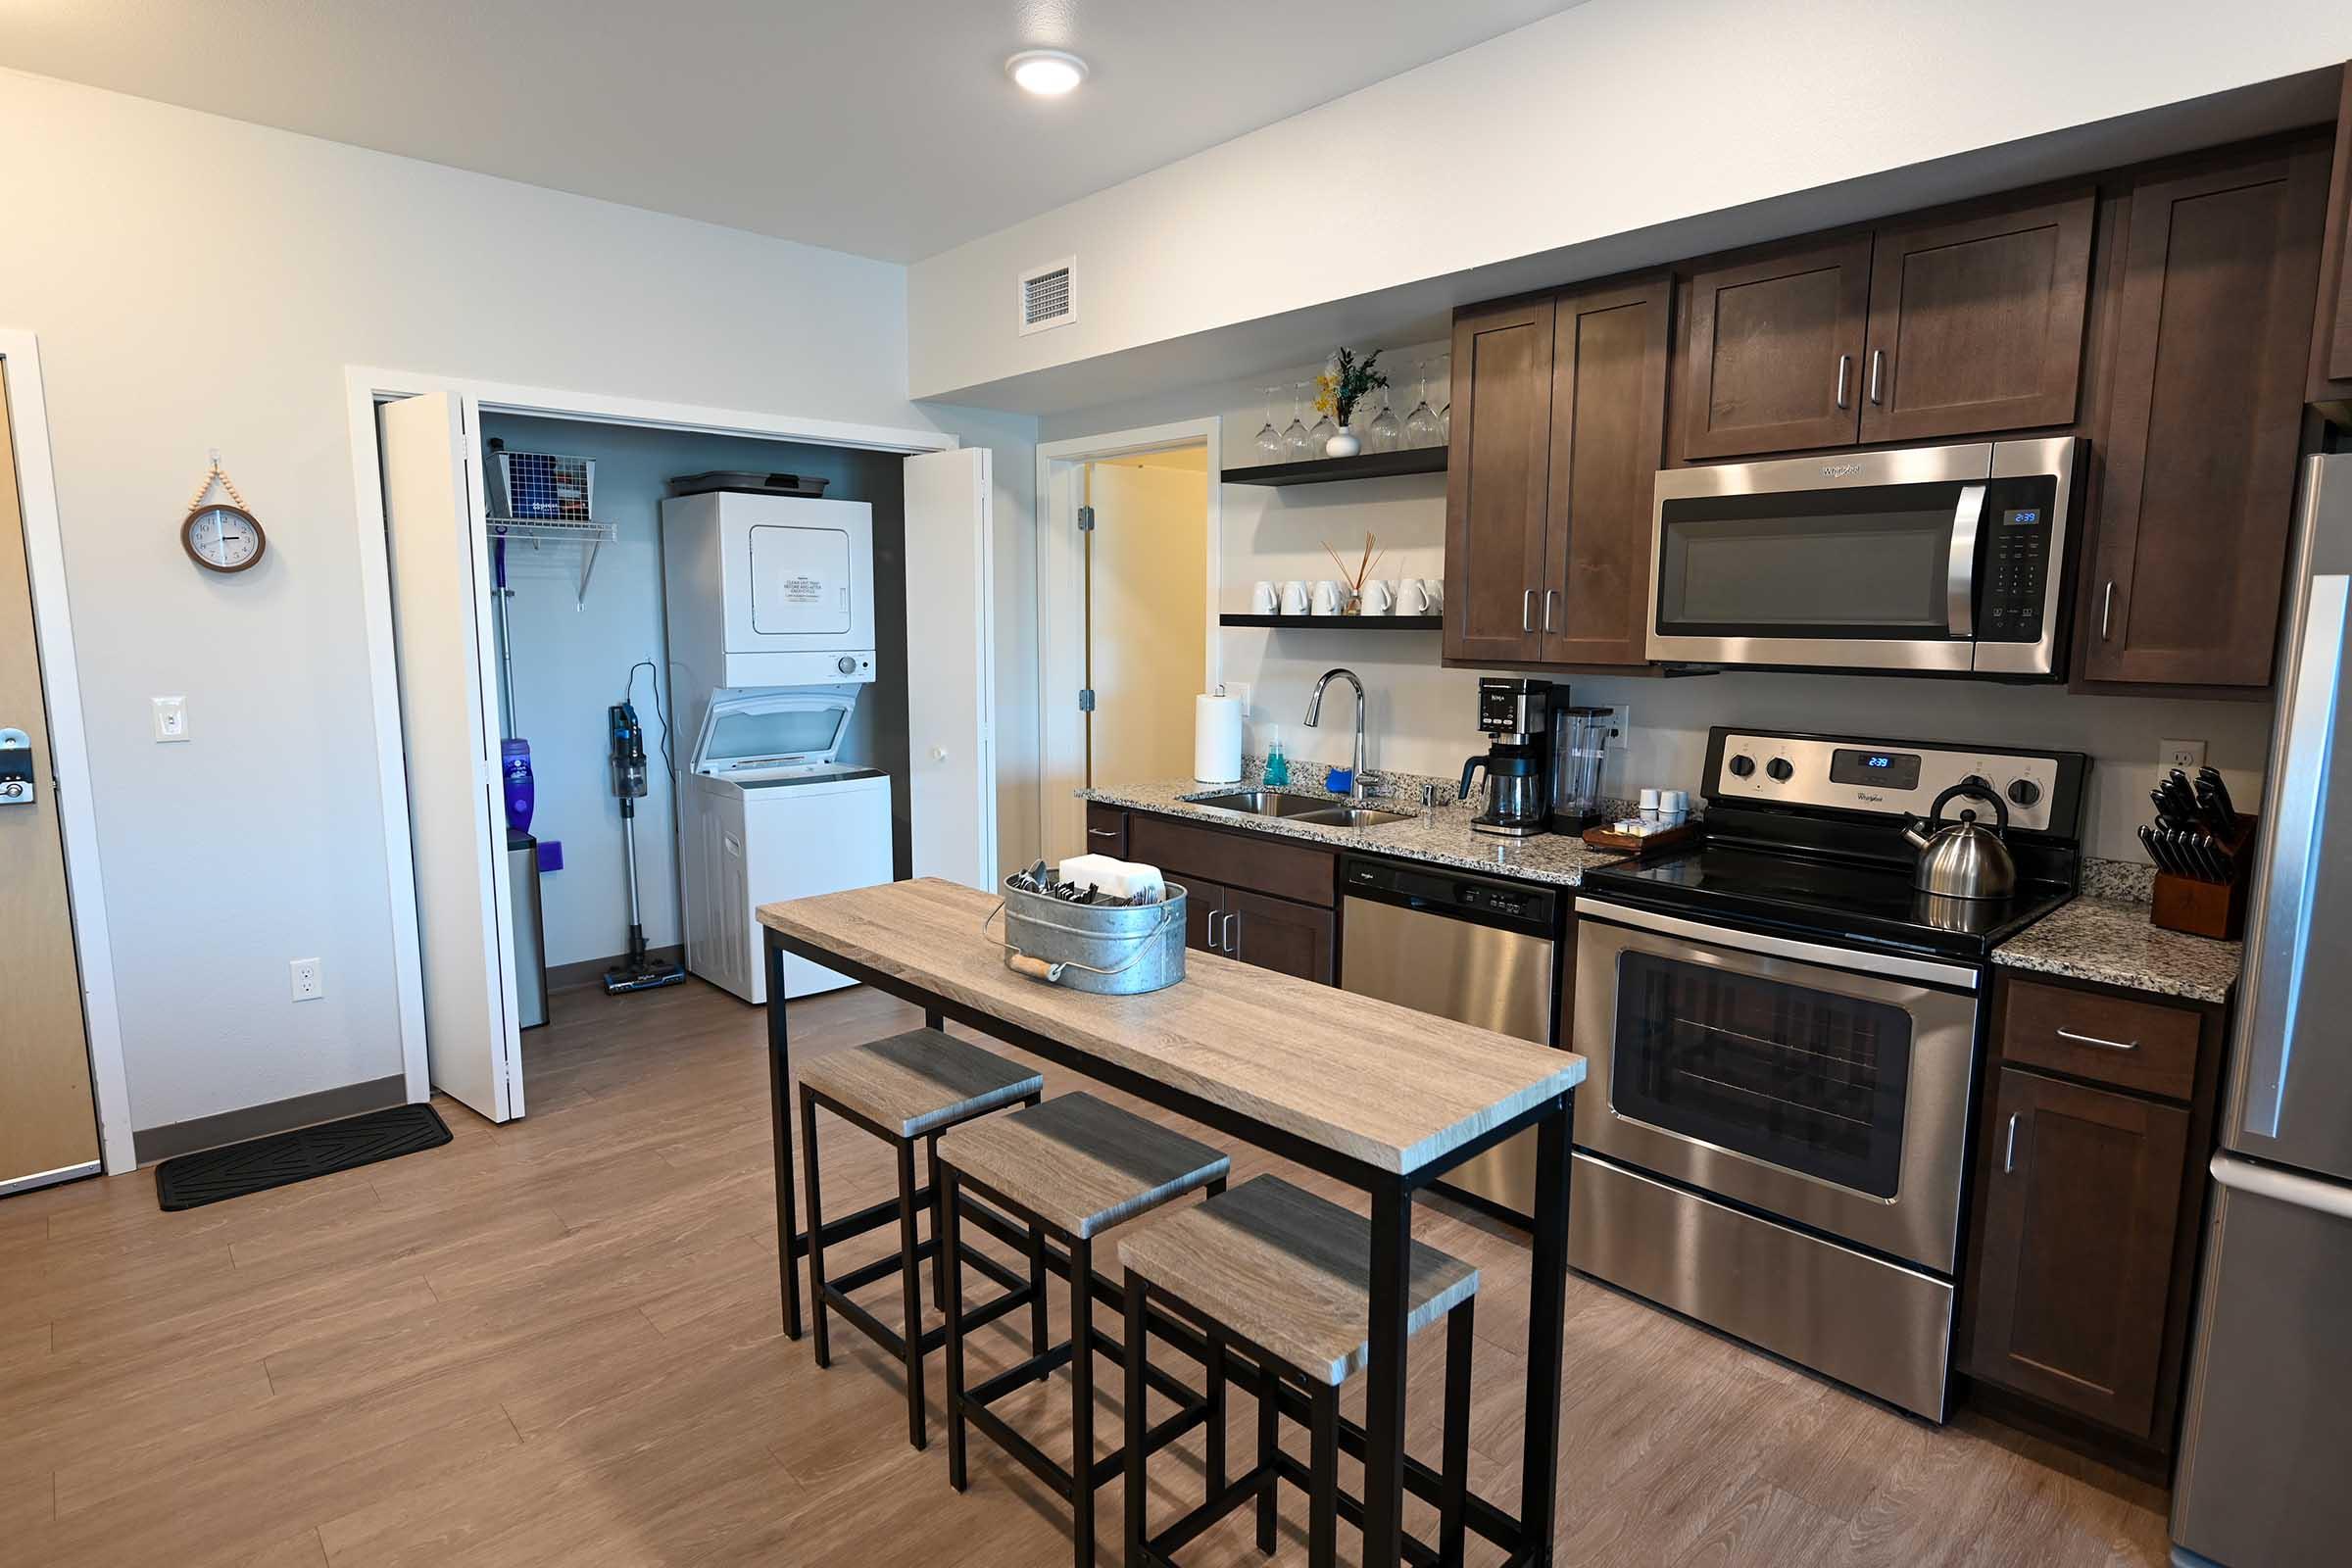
x,y
193,1180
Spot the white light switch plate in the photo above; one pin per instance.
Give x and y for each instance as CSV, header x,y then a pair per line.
x,y
170,715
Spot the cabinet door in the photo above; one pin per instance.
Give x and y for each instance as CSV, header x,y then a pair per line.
x,y
1608,421
2331,334
1774,357
1977,323
1279,935
2081,1201
1496,479
2204,421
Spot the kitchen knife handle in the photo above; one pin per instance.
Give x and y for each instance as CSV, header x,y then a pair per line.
x,y
2094,1039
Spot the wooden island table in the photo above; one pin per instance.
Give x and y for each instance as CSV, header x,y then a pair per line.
x,y
1373,1095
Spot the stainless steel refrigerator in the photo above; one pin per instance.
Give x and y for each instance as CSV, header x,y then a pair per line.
x,y
2266,1455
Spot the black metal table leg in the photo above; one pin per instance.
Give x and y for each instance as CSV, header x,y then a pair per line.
x,y
1455,1465
1383,1385
1082,1403
779,1094
1135,1352
817,1233
1547,1317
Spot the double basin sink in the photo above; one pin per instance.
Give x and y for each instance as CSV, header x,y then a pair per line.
x,y
1298,808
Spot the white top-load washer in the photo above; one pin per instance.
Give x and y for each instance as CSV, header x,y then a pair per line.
x,y
766,813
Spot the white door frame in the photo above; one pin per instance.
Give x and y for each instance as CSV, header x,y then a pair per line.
x,y
365,386
1061,591
68,747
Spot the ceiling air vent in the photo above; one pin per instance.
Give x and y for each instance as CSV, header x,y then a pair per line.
x,y
1050,295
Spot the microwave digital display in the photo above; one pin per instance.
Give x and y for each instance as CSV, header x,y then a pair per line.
x,y
2022,518
1887,770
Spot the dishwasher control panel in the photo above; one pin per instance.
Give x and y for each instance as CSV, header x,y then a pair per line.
x,y
1452,893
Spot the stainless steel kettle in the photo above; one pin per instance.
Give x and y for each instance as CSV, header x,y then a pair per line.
x,y
1963,859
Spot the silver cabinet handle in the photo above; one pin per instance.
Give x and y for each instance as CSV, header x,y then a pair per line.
x,y
1877,362
2106,607
2009,1159
1526,610
1233,933
1550,593
1215,946
1846,367
1102,832
2094,1039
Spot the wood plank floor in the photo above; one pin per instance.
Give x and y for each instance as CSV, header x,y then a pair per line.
x,y
557,1343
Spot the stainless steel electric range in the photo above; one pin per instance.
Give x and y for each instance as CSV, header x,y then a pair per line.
x,y
1785,1041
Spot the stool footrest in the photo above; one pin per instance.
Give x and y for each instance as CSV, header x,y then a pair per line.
x,y
1239,1492
1351,1509
932,1338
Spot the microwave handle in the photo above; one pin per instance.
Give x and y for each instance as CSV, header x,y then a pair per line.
x,y
1960,573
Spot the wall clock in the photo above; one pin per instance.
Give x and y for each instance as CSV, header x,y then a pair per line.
x,y
220,536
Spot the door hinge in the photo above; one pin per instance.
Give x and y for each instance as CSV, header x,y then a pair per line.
x,y
1086,519
1086,698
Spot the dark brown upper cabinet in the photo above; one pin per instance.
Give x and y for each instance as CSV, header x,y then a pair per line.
x,y
1976,324
1608,435
1496,478
1773,357
2204,418
2331,334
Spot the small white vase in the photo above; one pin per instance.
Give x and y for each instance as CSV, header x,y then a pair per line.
x,y
1346,444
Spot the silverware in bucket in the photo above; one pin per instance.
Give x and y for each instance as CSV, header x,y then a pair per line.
x,y
1112,949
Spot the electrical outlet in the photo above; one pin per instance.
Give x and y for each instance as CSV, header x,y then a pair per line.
x,y
2186,755
170,717
309,979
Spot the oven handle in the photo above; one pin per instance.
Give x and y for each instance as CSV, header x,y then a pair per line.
x,y
1952,975
1960,571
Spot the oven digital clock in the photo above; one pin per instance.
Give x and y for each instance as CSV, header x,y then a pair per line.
x,y
1889,771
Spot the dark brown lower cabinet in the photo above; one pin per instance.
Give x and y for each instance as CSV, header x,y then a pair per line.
x,y
1204,911
1276,934
2080,1211
1271,922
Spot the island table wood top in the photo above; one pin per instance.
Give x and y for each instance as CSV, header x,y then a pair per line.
x,y
1365,1078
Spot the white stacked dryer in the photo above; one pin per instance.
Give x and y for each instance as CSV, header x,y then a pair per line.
x,y
771,603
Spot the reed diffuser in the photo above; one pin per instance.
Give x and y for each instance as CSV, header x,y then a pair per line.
x,y
1354,581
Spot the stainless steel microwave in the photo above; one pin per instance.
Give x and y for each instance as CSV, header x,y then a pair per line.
x,y
1923,560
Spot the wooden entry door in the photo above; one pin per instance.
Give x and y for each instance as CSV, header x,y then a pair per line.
x,y
48,1122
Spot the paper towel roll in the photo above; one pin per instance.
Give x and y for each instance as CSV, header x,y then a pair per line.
x,y
1217,740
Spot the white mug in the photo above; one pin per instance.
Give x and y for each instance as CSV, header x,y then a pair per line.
x,y
1263,598
1294,598
1330,598
1379,597
1434,590
1412,597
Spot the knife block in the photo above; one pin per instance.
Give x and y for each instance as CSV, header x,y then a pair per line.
x,y
2201,909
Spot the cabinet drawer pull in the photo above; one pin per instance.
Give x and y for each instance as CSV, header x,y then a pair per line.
x,y
1233,933
2009,1159
1208,933
1102,832
2094,1039
1877,362
2106,607
1526,610
1846,367
1550,593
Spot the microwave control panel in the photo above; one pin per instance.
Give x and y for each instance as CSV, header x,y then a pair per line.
x,y
1892,777
2017,557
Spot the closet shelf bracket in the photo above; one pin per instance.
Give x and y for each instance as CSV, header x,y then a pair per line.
x,y
590,536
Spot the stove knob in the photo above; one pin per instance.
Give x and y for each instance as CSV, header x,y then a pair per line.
x,y
2024,792
1977,780
1780,770
1742,766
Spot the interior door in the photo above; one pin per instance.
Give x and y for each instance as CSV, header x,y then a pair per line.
x,y
950,667
1146,618
48,1122
440,605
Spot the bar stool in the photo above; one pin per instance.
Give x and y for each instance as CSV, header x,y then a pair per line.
x,y
1074,1166
1284,1277
906,1089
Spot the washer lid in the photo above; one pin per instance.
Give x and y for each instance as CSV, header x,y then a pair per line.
x,y
754,732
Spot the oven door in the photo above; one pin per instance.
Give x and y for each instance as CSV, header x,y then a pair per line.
x,y
1774,1073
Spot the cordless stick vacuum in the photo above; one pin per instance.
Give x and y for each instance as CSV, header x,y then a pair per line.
x,y
635,972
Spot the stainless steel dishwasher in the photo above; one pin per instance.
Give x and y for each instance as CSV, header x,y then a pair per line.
x,y
1462,947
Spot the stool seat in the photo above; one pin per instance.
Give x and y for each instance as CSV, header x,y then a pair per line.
x,y
1081,1163
1289,1271
913,1083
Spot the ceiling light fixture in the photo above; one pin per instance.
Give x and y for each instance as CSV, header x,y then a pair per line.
x,y
1047,73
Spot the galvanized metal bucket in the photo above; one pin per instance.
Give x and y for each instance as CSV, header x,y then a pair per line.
x,y
1112,949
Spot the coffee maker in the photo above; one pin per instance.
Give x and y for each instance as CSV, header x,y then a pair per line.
x,y
1520,717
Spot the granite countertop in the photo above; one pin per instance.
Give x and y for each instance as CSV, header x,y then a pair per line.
x,y
1443,837
2109,940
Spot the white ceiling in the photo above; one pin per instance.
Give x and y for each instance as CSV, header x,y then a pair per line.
x,y
887,128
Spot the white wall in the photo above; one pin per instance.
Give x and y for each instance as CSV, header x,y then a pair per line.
x,y
1421,717
1587,137
199,283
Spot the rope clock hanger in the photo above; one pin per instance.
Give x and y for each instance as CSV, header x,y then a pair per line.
x,y
220,536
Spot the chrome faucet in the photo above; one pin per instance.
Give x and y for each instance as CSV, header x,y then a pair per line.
x,y
1314,709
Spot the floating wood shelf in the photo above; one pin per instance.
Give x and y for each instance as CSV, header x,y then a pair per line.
x,y
1329,471
1337,622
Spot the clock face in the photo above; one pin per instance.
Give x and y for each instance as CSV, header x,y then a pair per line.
x,y
221,538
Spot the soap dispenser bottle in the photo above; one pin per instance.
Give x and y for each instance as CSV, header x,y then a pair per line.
x,y
1278,762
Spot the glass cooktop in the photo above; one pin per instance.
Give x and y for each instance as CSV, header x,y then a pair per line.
x,y
1824,898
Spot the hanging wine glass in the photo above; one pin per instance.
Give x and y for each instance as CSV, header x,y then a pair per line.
x,y
1445,391
1269,439
1386,433
1296,444
1421,427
